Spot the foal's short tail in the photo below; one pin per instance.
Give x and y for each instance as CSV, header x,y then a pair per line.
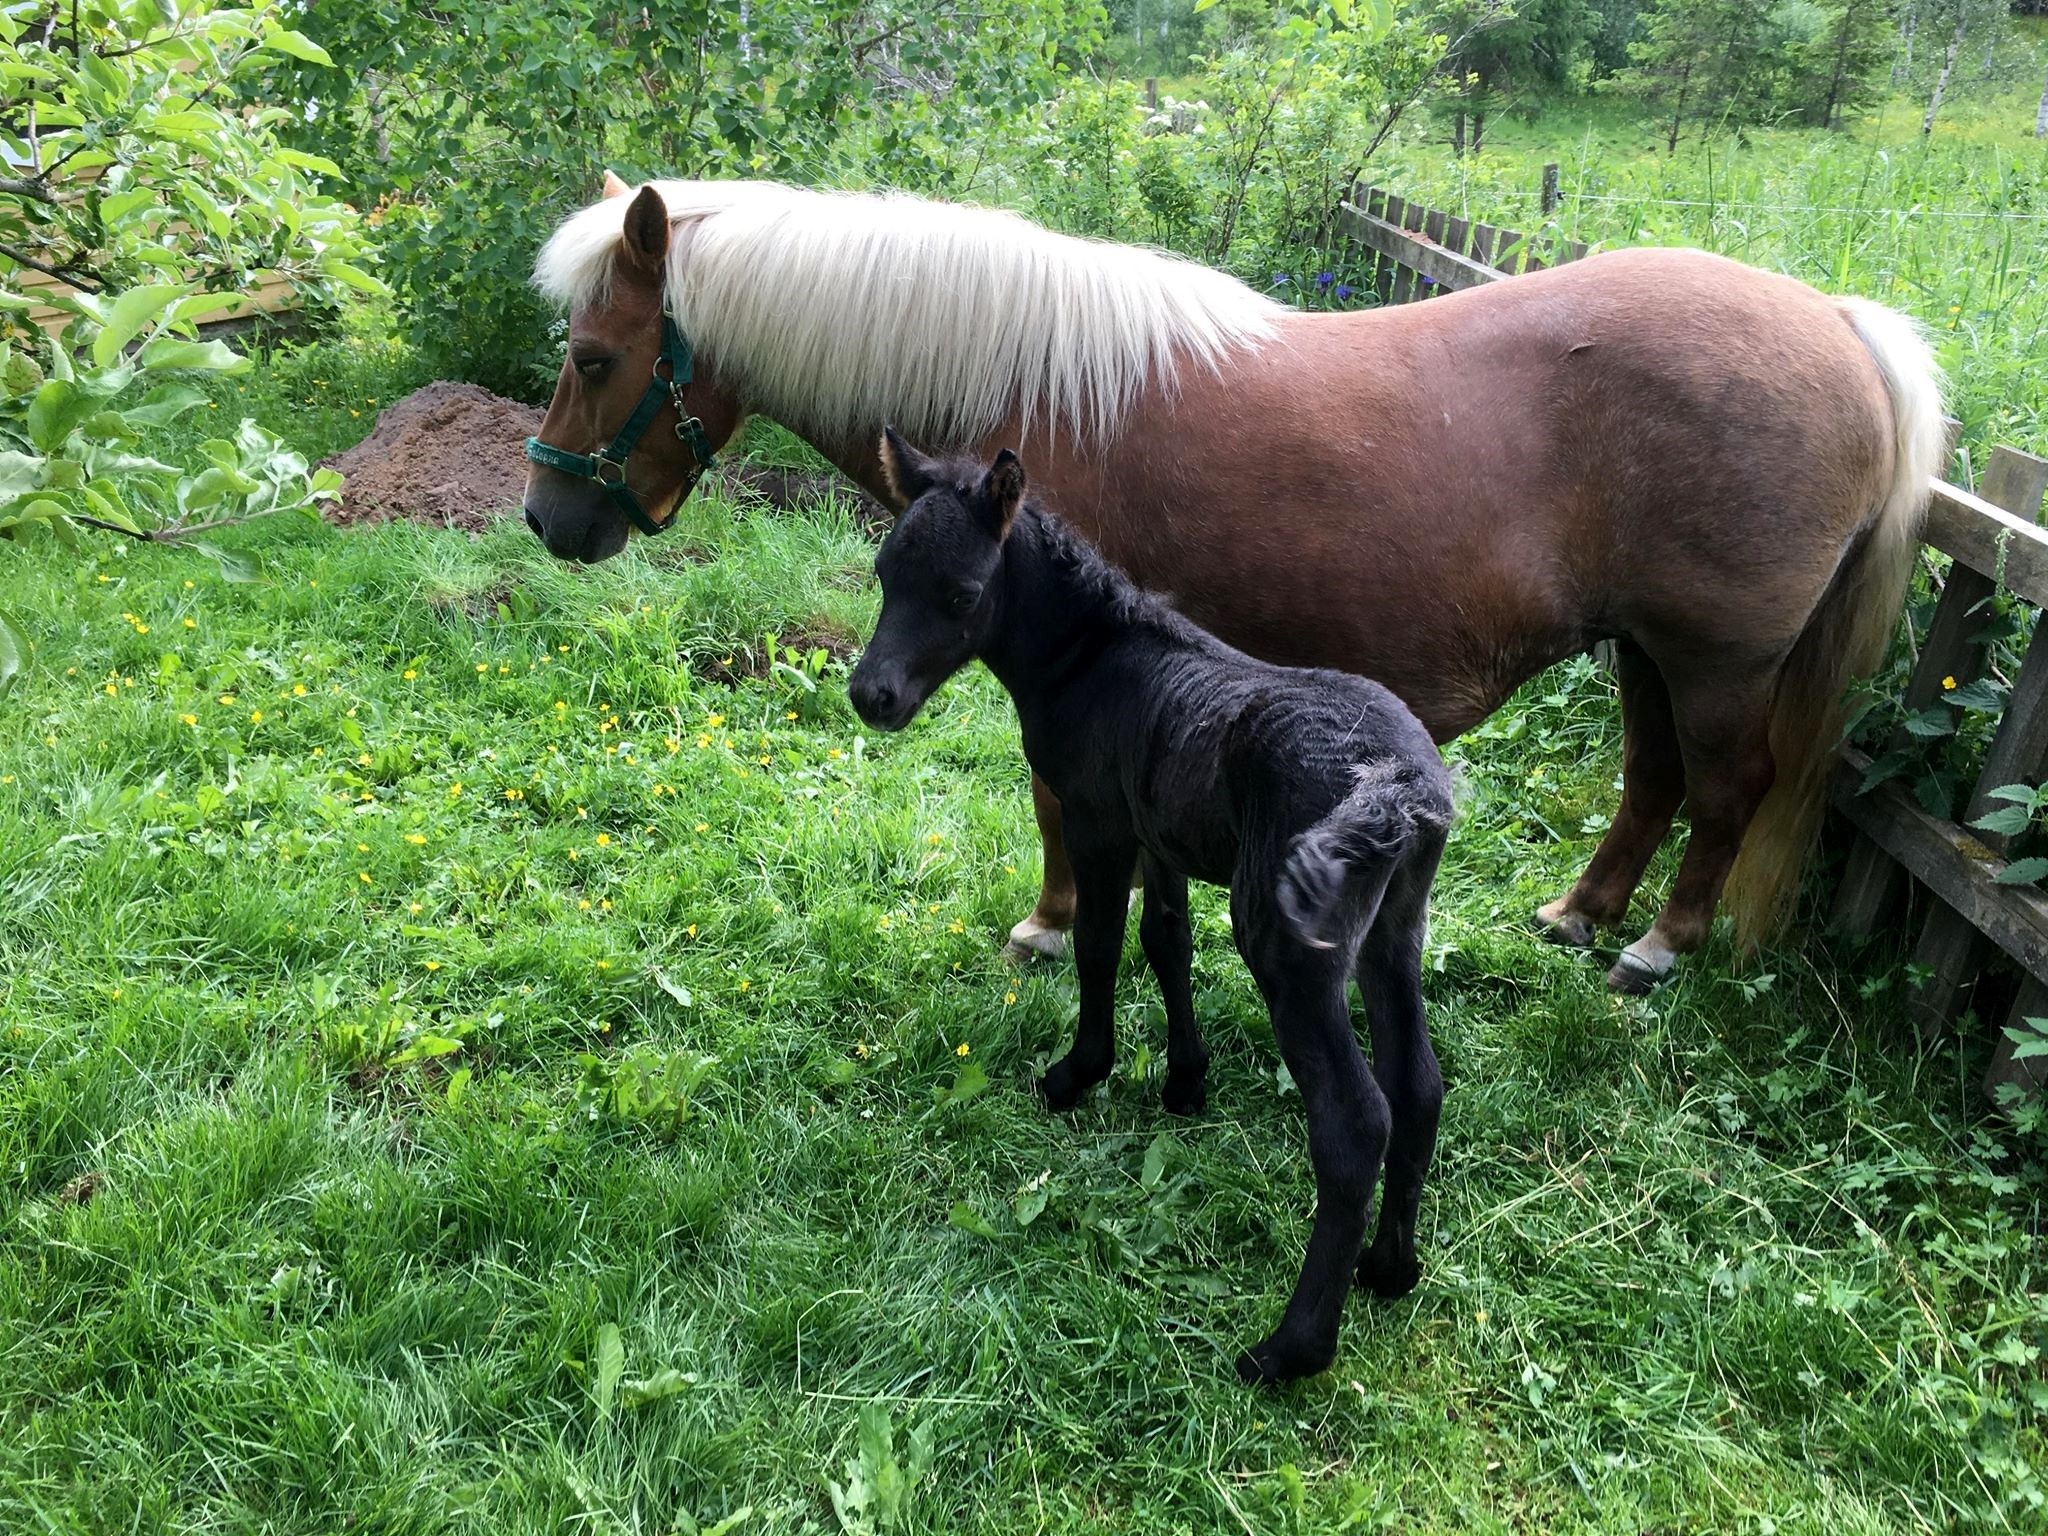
x,y
1848,632
1348,853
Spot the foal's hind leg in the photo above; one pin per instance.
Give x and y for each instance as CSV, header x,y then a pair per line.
x,y
1347,1138
1170,951
1652,785
1404,1065
1043,933
1723,719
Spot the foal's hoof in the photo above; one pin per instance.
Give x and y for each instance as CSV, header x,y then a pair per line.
x,y
1066,1081
1388,1275
1187,1095
1560,925
1278,1360
1633,976
1032,940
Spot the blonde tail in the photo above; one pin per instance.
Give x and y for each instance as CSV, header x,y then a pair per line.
x,y
1848,633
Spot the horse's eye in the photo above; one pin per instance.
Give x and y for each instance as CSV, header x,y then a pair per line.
x,y
965,597
594,368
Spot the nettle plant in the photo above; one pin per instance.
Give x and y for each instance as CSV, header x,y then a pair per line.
x,y
142,186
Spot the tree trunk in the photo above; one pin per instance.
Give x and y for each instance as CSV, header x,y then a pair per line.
x,y
373,97
1834,101
2041,116
1458,129
1478,130
1948,64
1903,65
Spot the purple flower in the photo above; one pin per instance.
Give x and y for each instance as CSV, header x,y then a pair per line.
x,y
1324,279
1281,279
1429,282
1345,290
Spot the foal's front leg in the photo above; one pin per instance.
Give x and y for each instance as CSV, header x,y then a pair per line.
x,y
1102,880
1170,951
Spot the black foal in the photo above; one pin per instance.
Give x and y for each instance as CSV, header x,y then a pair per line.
x,y
1315,796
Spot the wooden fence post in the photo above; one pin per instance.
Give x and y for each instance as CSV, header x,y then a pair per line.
x,y
1151,93
1549,189
1950,950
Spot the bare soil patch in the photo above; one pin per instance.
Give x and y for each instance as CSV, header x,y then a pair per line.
x,y
454,455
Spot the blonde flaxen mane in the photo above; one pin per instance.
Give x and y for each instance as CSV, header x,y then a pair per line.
x,y
829,309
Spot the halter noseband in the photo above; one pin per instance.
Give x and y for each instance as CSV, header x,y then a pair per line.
x,y
608,468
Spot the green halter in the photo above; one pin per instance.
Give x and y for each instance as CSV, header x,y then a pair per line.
x,y
608,468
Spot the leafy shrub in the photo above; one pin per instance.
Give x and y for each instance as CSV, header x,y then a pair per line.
x,y
153,198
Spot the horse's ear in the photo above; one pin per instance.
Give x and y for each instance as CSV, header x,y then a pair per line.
x,y
1002,490
908,473
647,231
613,187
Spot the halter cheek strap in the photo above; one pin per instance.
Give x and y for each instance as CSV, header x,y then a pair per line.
x,y
608,468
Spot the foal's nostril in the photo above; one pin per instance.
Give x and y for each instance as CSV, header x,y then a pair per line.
x,y
533,523
875,701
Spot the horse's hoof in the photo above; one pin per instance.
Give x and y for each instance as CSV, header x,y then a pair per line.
x,y
1560,925
1032,940
1633,976
1388,1276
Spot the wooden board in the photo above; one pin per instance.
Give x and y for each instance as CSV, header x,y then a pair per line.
x,y
1444,267
1949,862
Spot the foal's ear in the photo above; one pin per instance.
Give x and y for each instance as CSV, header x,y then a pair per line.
x,y
909,473
1002,491
647,231
613,187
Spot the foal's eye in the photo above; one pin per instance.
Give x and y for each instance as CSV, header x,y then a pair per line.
x,y
593,369
965,597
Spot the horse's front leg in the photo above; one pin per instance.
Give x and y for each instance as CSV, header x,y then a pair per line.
x,y
1044,932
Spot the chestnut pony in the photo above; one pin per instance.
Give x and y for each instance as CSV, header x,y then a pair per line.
x,y
1717,467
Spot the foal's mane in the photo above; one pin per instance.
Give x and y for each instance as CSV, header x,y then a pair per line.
x,y
833,310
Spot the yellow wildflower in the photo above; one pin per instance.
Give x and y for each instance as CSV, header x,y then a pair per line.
x,y
960,1049
1948,684
417,839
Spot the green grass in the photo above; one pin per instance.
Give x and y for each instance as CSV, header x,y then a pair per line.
x,y
344,1114
1952,228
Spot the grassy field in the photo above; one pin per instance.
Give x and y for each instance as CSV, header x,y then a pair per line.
x,y
483,1050
1952,228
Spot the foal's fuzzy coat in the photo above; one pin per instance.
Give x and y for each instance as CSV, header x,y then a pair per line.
x,y
1316,796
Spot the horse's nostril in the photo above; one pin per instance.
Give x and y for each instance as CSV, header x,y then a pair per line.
x,y
533,523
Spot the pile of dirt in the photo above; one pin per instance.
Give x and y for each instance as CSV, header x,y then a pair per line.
x,y
454,455
449,454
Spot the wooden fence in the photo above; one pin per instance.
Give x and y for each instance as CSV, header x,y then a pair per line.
x,y
268,295
1976,935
